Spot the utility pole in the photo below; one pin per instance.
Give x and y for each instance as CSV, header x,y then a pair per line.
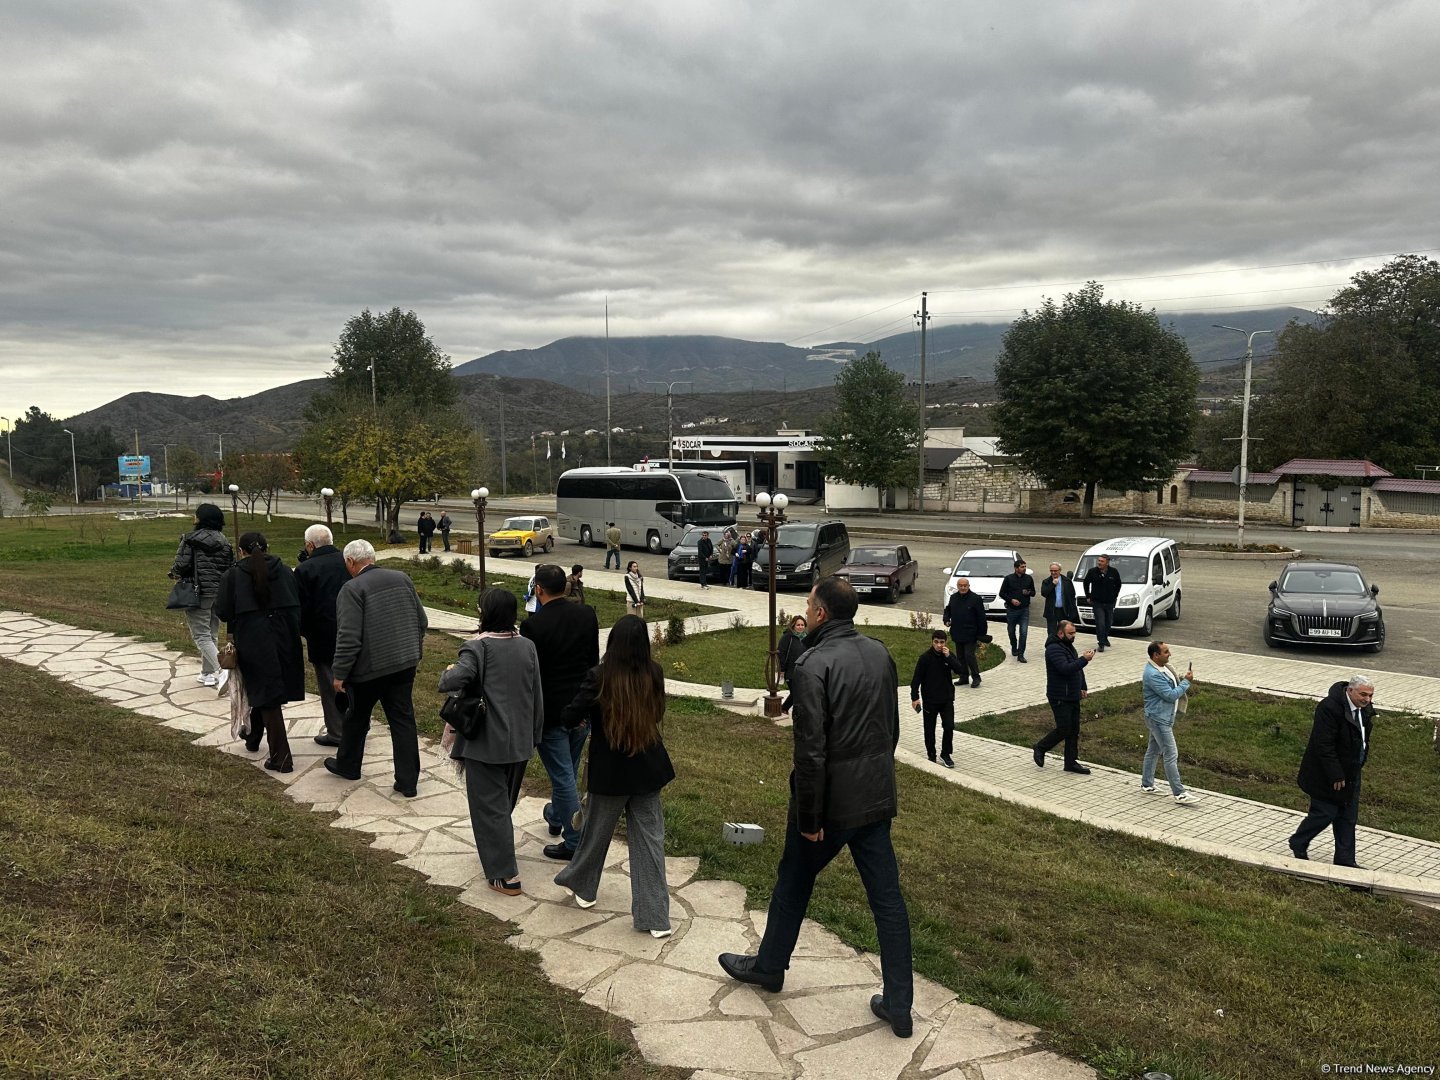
x,y
923,315
1244,428
504,466
670,418
9,449
74,464
221,459
608,425
166,450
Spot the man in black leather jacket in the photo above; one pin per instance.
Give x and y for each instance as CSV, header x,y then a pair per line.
x,y
842,794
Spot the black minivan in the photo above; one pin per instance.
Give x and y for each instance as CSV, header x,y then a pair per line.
x,y
804,553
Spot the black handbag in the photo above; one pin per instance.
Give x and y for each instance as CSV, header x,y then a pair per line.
x,y
465,712
183,595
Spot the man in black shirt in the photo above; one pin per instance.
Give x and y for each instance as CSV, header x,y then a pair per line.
x,y
1102,586
1016,592
932,691
706,551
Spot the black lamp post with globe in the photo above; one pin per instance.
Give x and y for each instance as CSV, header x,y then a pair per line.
x,y
772,516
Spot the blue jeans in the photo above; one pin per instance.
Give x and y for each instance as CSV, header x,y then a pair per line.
x,y
612,553
874,857
1017,625
1162,747
1104,619
560,752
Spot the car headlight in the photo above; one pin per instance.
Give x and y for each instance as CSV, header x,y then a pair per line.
x,y
1130,599
1284,613
804,566
1370,616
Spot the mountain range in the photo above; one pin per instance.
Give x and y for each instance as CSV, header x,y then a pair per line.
x,y
751,384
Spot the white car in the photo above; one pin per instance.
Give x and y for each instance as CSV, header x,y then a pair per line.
x,y
986,568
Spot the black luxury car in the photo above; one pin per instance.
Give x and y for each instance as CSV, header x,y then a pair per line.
x,y
683,562
1320,603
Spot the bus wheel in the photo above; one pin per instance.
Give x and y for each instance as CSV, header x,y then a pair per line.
x,y
652,542
586,540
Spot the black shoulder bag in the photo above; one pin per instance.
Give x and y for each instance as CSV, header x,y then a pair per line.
x,y
185,593
465,709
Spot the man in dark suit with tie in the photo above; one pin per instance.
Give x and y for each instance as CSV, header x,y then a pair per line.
x,y
1058,591
567,642
1330,770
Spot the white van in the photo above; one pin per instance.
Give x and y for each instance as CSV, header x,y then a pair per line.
x,y
1149,568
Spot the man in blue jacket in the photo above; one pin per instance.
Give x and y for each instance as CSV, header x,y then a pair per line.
x,y
1165,699
1064,688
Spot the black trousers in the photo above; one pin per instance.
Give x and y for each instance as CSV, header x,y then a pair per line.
x,y
968,651
946,712
1325,814
1067,727
393,692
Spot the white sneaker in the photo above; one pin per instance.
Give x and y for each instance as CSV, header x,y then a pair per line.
x,y
661,933
580,901
206,680
221,678
1148,789
1185,797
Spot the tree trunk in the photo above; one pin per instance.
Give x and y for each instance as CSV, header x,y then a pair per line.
x,y
1087,507
881,500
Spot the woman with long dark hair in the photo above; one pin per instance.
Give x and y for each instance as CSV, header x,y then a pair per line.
x,y
204,555
502,665
623,701
634,590
260,602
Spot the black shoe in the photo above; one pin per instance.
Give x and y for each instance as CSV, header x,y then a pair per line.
x,y
401,791
741,968
902,1026
975,683
1099,648
1351,865
288,765
961,682
945,760
1039,756
326,739
559,851
1300,853
254,747
1075,767
931,757
554,826
1021,659
331,765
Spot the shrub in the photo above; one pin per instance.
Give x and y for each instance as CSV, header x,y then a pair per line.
x,y
675,630
920,620
738,621
657,638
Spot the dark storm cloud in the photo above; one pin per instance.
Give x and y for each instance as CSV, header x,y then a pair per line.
x,y
196,193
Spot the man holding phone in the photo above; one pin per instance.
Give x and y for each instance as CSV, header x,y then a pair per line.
x,y
931,688
1165,700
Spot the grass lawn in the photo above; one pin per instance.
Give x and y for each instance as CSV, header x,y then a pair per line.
x,y
739,655
1249,744
180,917
1129,954
452,586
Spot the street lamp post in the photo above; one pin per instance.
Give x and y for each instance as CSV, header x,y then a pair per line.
x,y
1244,428
74,465
480,494
175,494
235,512
772,516
670,419
328,494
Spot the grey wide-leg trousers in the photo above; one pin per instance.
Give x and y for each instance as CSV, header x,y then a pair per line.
x,y
492,791
645,827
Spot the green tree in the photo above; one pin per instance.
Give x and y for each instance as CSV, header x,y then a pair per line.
x,y
410,441
872,436
1364,382
1095,392
261,478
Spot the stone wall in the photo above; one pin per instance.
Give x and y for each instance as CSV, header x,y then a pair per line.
x,y
1375,512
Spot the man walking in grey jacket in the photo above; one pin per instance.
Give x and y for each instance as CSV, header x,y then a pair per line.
x,y
380,633
842,794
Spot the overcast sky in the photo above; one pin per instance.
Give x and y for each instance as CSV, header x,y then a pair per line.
x,y
195,196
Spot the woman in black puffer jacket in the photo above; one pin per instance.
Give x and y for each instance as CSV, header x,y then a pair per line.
x,y
205,555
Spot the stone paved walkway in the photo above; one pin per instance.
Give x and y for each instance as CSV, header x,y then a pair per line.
x,y
683,1011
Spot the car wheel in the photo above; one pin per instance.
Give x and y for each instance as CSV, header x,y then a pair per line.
x,y
1148,626
1266,634
586,539
529,549
1378,645
911,587
549,544
652,543
494,553
1174,612
894,594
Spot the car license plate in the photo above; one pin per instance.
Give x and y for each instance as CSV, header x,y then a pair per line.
x,y
1324,633
690,566
865,588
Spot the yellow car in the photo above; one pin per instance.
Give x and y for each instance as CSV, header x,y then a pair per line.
x,y
521,536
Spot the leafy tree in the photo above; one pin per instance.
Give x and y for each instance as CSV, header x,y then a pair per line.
x,y
1364,382
185,468
1095,392
42,453
37,503
261,477
872,436
408,366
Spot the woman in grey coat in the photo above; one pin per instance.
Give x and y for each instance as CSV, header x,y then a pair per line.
x,y
204,555
504,666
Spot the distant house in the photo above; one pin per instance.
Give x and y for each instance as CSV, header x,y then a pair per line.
x,y
592,431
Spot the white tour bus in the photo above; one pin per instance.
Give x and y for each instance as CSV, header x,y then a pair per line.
x,y
652,508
